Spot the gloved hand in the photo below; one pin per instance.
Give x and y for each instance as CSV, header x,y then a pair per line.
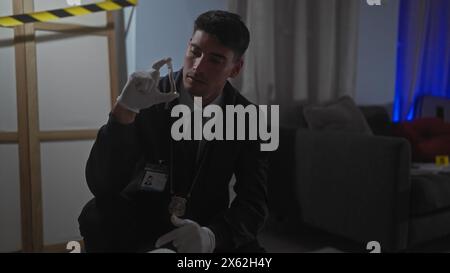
x,y
141,90
188,237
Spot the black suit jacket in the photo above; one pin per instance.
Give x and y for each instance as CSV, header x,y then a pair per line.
x,y
120,152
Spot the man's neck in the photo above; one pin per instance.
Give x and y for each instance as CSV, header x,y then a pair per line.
x,y
210,100
187,98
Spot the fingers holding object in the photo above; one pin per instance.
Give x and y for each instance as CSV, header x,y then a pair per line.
x,y
157,65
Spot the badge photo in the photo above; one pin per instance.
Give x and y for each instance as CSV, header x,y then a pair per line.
x,y
155,178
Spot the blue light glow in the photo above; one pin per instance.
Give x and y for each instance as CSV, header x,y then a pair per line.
x,y
423,54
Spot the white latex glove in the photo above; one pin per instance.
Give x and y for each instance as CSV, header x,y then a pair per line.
x,y
141,90
188,237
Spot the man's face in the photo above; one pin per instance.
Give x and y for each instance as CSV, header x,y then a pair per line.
x,y
207,66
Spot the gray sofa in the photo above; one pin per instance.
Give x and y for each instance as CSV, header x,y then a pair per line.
x,y
356,186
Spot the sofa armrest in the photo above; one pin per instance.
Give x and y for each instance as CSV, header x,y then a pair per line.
x,y
355,185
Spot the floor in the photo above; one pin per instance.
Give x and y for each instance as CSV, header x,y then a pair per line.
x,y
307,240
311,240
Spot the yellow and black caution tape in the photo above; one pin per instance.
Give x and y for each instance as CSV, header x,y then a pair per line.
x,y
50,15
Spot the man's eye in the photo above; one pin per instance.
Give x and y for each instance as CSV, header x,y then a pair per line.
x,y
195,53
215,60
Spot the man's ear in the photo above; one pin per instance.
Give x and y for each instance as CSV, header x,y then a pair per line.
x,y
237,66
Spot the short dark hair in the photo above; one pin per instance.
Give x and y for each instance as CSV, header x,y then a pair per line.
x,y
227,27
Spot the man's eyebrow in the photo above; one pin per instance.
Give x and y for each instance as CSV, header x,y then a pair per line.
x,y
218,55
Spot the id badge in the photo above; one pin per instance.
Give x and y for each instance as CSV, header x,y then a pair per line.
x,y
155,178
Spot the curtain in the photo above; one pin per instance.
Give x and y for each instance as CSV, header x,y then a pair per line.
x,y
423,55
301,51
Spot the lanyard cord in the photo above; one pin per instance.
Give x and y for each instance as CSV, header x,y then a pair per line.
x,y
197,172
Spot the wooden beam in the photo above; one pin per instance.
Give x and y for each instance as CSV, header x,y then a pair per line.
x,y
28,124
8,137
73,28
22,118
68,135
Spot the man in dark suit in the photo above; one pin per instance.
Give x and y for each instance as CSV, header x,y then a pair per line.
x,y
154,192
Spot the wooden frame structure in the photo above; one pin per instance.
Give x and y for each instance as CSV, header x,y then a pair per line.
x,y
29,137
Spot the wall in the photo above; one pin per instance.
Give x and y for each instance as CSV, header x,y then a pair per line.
x,y
163,28
377,53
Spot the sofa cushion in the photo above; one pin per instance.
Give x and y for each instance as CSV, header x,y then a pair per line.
x,y
429,193
339,115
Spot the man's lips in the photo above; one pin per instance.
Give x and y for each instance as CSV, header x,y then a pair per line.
x,y
195,79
